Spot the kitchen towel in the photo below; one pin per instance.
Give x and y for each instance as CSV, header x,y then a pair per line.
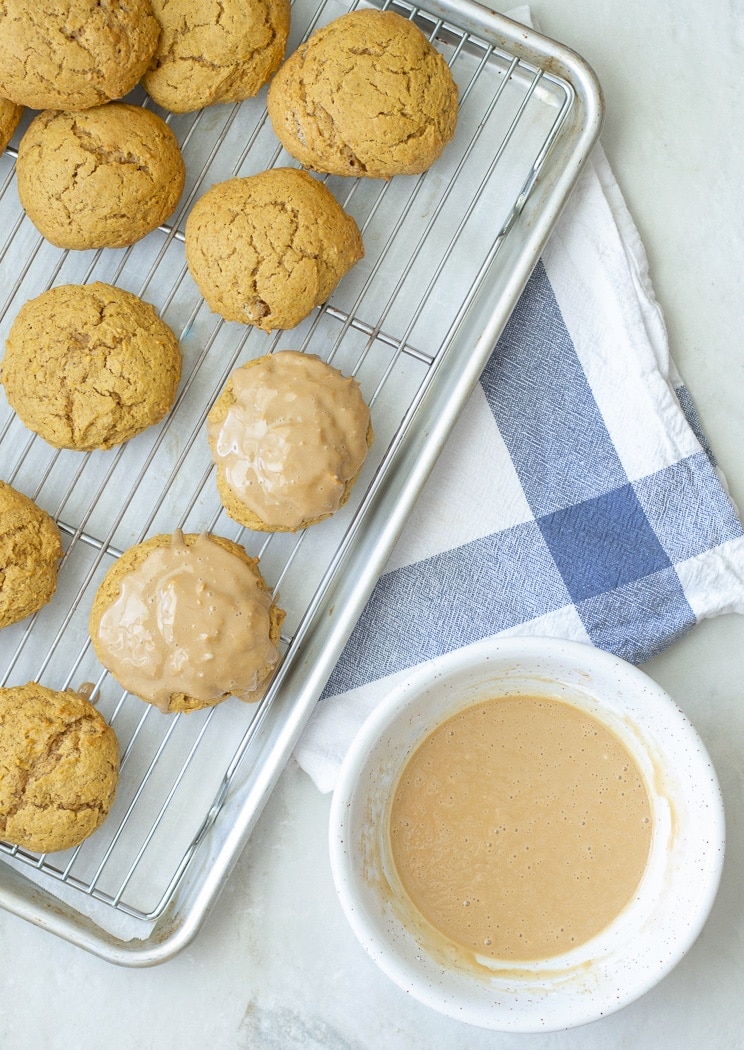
x,y
575,498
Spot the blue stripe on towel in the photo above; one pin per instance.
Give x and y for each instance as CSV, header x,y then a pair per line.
x,y
450,600
597,541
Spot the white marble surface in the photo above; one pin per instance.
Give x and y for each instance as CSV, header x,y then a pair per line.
x,y
275,965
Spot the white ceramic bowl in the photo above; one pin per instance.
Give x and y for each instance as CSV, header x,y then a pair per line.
x,y
652,933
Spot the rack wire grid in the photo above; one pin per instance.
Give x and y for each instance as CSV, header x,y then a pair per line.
x,y
446,255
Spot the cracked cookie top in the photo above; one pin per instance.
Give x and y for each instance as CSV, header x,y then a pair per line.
x,y
90,366
59,768
100,179
30,550
368,94
215,50
266,249
74,54
10,115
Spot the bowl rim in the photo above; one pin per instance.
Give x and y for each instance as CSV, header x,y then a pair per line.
x,y
559,1013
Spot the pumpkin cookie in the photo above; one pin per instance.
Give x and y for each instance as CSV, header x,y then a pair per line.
x,y
10,115
100,179
289,435
215,51
76,54
59,768
30,550
183,622
367,94
90,366
267,249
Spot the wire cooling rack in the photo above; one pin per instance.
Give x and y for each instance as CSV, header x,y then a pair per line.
x,y
446,256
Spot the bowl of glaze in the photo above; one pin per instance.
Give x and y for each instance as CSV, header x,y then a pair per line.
x,y
578,983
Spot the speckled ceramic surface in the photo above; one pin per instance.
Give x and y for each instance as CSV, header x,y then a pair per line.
x,y
646,940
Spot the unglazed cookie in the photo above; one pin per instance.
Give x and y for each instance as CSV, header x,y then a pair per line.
x,y
185,621
10,115
215,50
100,179
265,250
30,550
76,54
89,366
367,94
289,435
59,768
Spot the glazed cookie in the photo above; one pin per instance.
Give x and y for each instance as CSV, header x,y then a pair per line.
x,y
89,366
367,94
184,622
10,115
267,249
59,768
30,550
74,55
289,435
213,51
100,179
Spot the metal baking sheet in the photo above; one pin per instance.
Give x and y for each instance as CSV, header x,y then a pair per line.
x,y
446,256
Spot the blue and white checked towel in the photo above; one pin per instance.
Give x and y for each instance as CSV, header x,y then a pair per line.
x,y
576,497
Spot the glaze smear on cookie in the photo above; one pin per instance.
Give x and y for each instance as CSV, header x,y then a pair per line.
x,y
289,435
186,621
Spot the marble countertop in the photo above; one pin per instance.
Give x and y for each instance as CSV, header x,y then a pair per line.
x,y
276,965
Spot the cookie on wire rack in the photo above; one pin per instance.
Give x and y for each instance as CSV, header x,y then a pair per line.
x,y
30,551
289,435
59,768
368,94
74,55
89,366
104,178
265,250
213,51
186,621
10,116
